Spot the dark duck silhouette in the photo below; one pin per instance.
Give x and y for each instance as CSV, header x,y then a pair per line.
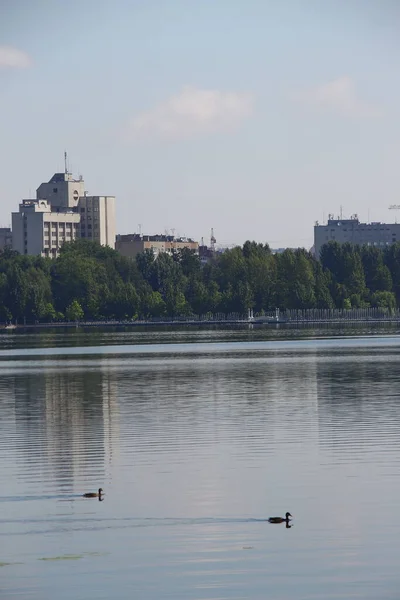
x,y
98,494
284,519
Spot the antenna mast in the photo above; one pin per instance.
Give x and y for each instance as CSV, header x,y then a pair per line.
x,y
65,163
395,207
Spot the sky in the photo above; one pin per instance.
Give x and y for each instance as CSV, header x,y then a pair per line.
x,y
254,117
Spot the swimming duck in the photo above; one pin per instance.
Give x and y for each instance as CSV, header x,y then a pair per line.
x,y
284,519
94,494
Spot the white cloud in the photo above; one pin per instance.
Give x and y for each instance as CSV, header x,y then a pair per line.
x,y
192,112
13,58
339,96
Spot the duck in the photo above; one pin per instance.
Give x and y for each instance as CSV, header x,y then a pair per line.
x,y
94,494
284,519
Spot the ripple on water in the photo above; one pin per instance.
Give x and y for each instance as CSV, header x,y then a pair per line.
x,y
195,445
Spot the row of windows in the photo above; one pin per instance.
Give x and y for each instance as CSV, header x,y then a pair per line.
x,y
61,236
368,243
361,229
60,226
94,219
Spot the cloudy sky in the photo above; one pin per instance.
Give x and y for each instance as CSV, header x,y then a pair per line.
x,y
255,117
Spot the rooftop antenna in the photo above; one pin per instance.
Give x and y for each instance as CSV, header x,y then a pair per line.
x,y
65,163
395,207
202,241
341,212
140,229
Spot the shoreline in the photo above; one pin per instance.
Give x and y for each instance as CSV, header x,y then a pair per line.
x,y
201,323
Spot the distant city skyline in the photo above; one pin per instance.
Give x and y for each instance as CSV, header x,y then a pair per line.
x,y
254,118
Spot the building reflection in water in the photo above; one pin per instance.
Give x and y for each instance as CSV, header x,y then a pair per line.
x,y
67,420
355,398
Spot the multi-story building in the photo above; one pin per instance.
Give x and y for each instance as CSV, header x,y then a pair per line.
x,y
61,191
352,231
61,213
5,238
133,243
39,230
97,219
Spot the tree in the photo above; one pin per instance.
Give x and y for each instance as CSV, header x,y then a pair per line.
x,y
323,296
49,313
377,274
74,311
153,305
384,300
296,282
144,262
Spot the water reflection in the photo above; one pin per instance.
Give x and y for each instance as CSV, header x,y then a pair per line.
x,y
62,421
195,449
357,400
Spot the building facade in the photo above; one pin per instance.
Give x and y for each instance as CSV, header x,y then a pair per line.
x,y
132,244
5,238
61,213
39,230
97,219
62,191
355,232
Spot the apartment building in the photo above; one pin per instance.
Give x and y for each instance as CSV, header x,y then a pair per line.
x,y
97,219
62,212
5,238
39,230
353,231
133,243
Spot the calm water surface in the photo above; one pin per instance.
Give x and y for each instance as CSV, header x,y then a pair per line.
x,y
196,441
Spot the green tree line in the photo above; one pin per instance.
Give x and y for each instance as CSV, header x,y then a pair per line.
x,y
92,282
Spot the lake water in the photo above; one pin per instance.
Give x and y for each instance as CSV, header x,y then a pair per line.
x,y
197,438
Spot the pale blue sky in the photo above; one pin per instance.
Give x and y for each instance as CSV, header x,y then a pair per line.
x,y
252,117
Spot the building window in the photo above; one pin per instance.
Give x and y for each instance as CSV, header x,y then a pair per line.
x,y
55,190
82,210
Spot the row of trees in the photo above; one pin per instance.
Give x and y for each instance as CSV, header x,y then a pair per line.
x,y
88,281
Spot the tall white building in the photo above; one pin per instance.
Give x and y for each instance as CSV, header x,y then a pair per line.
x,y
61,213
97,219
36,229
62,191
